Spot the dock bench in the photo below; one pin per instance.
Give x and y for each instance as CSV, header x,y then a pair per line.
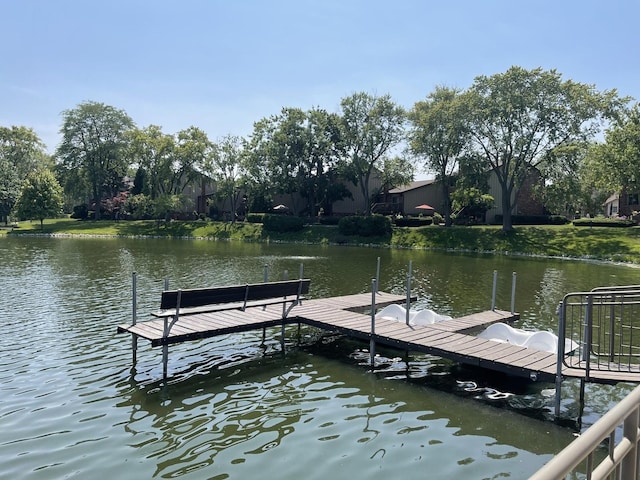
x,y
177,303
174,303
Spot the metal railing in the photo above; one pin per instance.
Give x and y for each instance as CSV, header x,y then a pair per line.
x,y
602,323
621,461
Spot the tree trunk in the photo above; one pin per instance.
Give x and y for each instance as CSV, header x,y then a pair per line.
x,y
507,225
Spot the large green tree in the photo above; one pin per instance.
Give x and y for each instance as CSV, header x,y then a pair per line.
x,y
21,152
93,149
372,127
300,152
439,136
40,197
615,164
518,118
226,166
153,152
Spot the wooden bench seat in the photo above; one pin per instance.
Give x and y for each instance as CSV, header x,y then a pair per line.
x,y
235,297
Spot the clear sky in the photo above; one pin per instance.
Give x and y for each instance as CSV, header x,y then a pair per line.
x,y
221,65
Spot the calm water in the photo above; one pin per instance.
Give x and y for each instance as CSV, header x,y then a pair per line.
x,y
72,407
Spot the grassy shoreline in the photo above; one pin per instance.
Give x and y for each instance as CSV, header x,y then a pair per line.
x,y
595,243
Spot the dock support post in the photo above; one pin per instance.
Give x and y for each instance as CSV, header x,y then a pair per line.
x,y
560,356
493,295
285,276
372,342
378,275
134,337
409,289
165,360
513,292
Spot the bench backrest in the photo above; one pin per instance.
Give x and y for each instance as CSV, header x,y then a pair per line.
x,y
198,297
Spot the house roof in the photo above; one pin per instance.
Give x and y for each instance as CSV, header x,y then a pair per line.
x,y
411,186
612,198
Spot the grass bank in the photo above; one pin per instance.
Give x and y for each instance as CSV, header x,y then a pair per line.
x,y
599,243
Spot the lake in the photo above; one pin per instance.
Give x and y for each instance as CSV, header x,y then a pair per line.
x,y
72,406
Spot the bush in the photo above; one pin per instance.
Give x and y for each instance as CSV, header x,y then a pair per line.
x,y
413,221
603,222
255,217
374,225
329,220
535,219
282,223
81,212
140,207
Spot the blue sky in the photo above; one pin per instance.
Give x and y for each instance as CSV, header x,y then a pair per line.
x,y
221,65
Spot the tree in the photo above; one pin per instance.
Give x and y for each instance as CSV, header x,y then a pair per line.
x,y
299,152
94,139
372,126
394,172
153,152
21,152
439,135
225,165
518,118
41,197
616,162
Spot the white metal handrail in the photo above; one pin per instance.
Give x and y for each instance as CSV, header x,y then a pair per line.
x,y
622,458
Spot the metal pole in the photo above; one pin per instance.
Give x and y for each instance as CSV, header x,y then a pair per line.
x,y
285,276
372,342
513,292
560,358
266,273
134,337
301,271
378,275
409,289
493,295
166,284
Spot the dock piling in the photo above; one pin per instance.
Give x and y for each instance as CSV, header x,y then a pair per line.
x,y
134,337
372,342
513,292
493,295
409,290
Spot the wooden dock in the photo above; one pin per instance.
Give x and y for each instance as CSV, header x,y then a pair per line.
x,y
452,339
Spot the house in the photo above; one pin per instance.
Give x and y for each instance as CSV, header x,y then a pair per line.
x,y
524,203
621,205
406,198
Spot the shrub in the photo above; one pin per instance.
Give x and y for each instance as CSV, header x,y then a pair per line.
x,y
80,211
374,225
255,217
282,223
413,221
535,219
329,220
603,222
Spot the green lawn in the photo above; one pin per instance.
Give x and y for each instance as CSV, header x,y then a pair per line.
x,y
602,243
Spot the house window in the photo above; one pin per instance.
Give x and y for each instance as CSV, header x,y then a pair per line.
x,y
632,199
